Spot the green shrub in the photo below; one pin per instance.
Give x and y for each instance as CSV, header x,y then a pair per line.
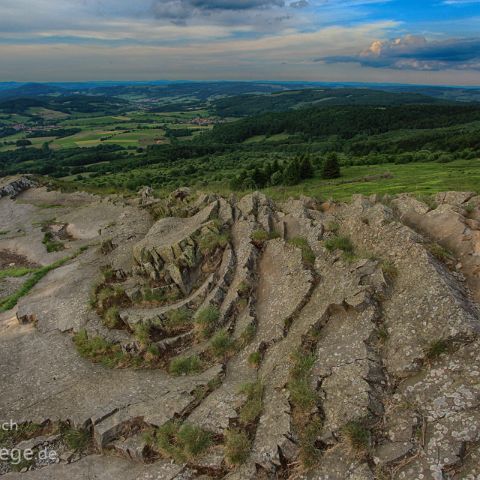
x,y
308,256
206,320
185,365
237,447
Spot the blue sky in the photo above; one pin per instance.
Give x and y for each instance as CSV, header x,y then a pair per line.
x,y
409,41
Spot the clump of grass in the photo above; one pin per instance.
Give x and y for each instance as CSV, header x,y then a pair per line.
x,y
206,320
106,246
340,243
428,200
98,350
333,227
260,236
177,319
142,332
254,359
76,439
252,408
211,241
185,365
112,319
182,442
222,344
389,269
302,394
308,256
152,353
51,244
24,431
248,334
153,296
108,274
244,288
469,208
237,447
309,453
357,436
439,252
9,302
437,348
109,296
16,272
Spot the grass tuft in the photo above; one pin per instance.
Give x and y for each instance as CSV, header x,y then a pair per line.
x,y
182,442
252,408
222,344
237,447
357,436
185,365
302,394
206,320
112,319
308,256
437,348
339,243
254,359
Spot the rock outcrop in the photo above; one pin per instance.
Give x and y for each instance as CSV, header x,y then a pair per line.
x,y
243,339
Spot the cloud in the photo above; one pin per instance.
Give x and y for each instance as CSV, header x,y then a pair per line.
x,y
299,4
178,11
417,53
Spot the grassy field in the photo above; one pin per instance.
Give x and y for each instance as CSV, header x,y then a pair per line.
x,y
134,129
418,178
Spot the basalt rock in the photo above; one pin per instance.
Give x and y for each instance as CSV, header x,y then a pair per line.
x,y
345,345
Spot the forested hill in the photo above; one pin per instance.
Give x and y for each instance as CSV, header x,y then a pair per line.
x,y
246,105
346,122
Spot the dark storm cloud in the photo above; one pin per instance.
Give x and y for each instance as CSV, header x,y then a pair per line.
x,y
416,53
179,11
299,4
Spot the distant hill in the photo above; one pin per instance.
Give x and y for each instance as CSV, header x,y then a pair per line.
x,y
30,90
246,105
345,121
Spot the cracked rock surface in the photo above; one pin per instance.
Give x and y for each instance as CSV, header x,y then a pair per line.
x,y
337,343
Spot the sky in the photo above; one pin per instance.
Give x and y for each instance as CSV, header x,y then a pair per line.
x,y
385,41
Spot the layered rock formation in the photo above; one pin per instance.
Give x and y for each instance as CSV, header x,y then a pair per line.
x,y
247,339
